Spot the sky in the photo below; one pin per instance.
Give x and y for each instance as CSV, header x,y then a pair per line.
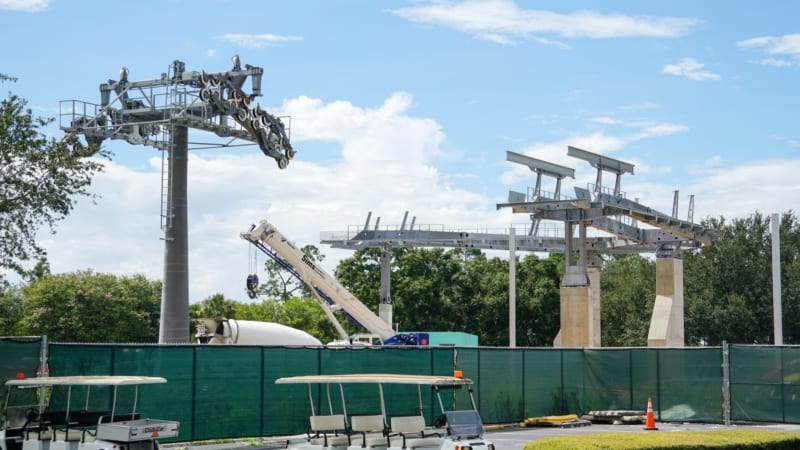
x,y
411,106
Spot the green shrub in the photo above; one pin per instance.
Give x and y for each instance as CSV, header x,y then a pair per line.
x,y
684,440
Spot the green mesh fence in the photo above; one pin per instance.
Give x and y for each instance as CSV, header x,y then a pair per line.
x,y
501,385
608,379
790,366
690,387
572,376
19,355
543,389
644,379
230,391
765,383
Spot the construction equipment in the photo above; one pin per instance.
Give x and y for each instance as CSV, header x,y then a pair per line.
x,y
329,293
32,421
460,429
249,332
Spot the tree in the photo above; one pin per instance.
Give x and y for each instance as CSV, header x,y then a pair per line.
x,y
539,299
11,311
90,307
728,285
424,291
790,277
361,274
214,306
461,290
301,313
281,284
39,178
482,290
627,294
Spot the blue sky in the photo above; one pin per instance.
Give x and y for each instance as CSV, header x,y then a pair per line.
x,y
411,105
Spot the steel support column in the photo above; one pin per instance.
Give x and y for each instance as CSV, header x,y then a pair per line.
x,y
174,326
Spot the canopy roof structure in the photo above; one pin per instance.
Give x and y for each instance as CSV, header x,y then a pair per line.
x,y
91,380
376,378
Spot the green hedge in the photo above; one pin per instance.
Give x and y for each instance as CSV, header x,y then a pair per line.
x,y
689,440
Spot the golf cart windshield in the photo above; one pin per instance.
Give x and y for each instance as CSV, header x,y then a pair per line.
x,y
464,424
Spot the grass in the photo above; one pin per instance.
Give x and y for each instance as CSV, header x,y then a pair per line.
x,y
733,439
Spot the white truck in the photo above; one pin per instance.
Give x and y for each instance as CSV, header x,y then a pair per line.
x,y
330,294
250,332
30,422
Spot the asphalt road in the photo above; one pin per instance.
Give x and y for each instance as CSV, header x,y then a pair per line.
x,y
513,438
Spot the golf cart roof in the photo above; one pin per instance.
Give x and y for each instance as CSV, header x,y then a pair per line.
x,y
90,380
376,378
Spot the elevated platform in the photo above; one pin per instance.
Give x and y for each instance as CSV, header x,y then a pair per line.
x,y
604,213
356,239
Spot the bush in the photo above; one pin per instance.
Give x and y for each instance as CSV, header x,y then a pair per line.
x,y
691,440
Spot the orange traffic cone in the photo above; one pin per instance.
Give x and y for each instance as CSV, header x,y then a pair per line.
x,y
650,420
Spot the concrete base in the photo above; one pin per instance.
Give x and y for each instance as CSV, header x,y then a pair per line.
x,y
574,316
594,306
385,313
666,322
580,311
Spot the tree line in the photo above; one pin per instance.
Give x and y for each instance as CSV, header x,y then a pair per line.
x,y
727,294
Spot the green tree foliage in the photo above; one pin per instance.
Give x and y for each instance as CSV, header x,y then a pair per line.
x,y
728,285
424,294
461,290
91,307
280,284
727,290
627,294
539,300
212,307
39,179
11,311
790,277
302,313
361,274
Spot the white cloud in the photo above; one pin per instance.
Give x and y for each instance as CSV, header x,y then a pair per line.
x,y
605,120
504,22
775,62
639,106
689,68
211,52
556,152
25,5
788,44
738,191
258,40
597,142
657,129
381,163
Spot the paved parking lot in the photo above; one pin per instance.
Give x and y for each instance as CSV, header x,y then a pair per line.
x,y
512,438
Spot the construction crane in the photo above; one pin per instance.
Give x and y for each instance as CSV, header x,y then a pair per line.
x,y
329,293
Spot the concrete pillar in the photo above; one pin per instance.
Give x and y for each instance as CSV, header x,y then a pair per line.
x,y
385,306
574,316
580,312
666,322
580,297
593,307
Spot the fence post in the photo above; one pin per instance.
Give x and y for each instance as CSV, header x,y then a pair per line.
x,y
726,382
44,371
